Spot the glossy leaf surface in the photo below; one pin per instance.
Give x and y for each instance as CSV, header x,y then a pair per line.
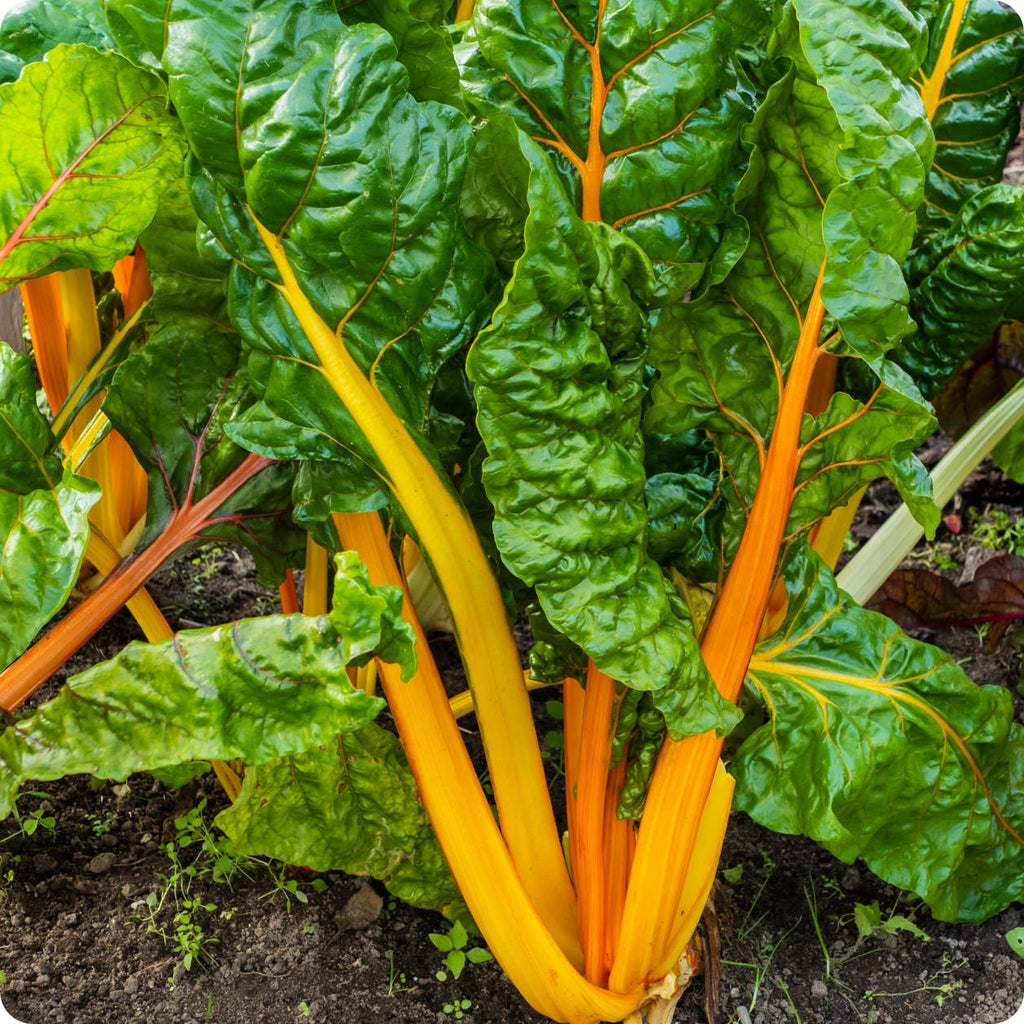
x,y
31,28
424,45
972,83
255,689
558,380
43,513
349,805
880,747
640,106
966,279
359,180
87,145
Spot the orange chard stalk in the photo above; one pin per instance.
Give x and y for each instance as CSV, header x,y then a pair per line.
x,y
588,837
288,594
686,769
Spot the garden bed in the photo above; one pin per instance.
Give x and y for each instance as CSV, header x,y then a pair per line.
x,y
77,946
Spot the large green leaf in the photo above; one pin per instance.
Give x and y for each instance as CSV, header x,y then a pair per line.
x,y
973,82
31,28
349,805
87,145
880,747
966,279
839,161
360,181
255,689
43,513
640,106
559,385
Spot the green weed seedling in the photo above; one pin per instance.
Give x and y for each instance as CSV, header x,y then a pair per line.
x,y
453,945
29,823
457,1008
868,919
289,888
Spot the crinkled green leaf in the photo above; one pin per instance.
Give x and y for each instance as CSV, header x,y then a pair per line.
x,y
43,513
87,145
361,181
829,185
189,274
254,689
349,805
640,106
879,746
368,618
424,45
31,28
559,385
171,400
965,280
973,83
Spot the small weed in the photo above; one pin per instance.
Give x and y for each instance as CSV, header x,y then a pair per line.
x,y
29,823
996,531
289,888
209,1008
309,927
868,919
453,945
102,825
3,977
457,1008
304,1008
941,990
396,978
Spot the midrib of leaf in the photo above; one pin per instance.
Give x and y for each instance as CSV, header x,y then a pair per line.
x,y
592,168
772,661
931,85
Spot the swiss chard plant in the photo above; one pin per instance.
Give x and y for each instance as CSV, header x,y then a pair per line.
x,y
598,311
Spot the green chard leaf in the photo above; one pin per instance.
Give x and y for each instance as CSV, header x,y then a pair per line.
x,y
171,401
87,146
424,45
965,280
559,385
879,746
348,805
640,106
31,28
44,523
361,183
256,689
972,84
839,160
